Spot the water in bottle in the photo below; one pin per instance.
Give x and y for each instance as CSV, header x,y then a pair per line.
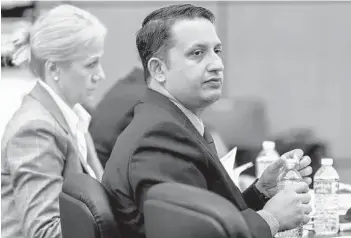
x,y
267,156
290,178
326,185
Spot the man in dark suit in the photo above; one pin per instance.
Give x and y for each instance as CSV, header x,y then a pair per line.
x,y
115,111
166,140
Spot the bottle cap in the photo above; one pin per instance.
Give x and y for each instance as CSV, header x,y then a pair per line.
x,y
268,145
327,161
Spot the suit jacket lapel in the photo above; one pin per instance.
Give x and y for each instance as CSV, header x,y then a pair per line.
x,y
92,158
164,102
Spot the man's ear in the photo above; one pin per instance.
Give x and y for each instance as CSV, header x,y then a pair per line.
x,y
156,68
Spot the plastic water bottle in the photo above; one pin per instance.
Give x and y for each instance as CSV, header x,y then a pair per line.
x,y
267,156
290,178
326,185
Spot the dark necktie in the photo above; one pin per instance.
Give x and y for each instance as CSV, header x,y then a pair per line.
x,y
208,137
237,197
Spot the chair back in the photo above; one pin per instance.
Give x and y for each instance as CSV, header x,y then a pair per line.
x,y
85,209
176,210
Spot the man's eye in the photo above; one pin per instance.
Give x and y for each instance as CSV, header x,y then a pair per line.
x,y
218,51
198,52
92,64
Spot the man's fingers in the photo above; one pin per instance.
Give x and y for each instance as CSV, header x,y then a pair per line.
x,y
304,162
308,180
306,171
277,165
305,198
301,188
307,209
297,152
306,219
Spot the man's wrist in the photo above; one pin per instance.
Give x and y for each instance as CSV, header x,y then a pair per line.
x,y
272,222
261,191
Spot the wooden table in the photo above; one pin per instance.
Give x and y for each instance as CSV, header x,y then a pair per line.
x,y
340,234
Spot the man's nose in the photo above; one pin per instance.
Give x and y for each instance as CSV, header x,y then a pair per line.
x,y
216,64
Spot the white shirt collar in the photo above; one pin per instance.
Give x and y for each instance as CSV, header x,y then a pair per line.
x,y
194,119
77,117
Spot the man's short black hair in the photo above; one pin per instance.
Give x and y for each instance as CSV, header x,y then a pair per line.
x,y
154,38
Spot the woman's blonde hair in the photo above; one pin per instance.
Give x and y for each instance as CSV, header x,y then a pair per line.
x,y
62,34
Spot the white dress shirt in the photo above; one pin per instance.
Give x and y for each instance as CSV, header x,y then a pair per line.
x,y
195,120
78,120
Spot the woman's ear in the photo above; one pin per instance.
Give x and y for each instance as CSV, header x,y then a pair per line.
x,y
52,70
156,68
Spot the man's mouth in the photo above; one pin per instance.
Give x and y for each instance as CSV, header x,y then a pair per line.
x,y
214,80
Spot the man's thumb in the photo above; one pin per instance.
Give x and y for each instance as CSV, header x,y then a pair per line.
x,y
277,165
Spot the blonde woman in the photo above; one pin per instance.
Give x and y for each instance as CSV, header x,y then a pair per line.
x,y
47,137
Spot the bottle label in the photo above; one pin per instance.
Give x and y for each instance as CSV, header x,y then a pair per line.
x,y
326,217
289,184
325,187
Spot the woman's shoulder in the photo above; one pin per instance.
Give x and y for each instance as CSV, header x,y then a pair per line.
x,y
32,117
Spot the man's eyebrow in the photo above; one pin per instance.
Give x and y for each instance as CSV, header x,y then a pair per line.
x,y
203,45
218,45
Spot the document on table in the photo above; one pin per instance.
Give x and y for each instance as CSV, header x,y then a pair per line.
x,y
228,162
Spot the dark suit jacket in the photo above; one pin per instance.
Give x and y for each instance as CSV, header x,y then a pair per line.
x,y
115,111
162,145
